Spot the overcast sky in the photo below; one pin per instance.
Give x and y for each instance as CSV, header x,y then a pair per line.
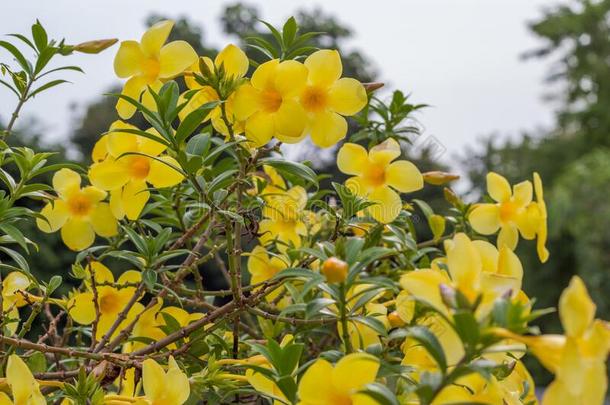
x,y
460,56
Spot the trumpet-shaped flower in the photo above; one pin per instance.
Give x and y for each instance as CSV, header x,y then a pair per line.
x,y
78,212
377,176
164,388
149,62
323,384
111,299
131,161
578,358
269,103
14,287
327,97
512,213
262,267
234,63
284,218
24,387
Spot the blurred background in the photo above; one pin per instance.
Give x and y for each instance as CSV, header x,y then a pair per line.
x,y
511,86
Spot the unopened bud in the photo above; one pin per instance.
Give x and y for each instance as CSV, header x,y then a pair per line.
x,y
437,226
448,296
371,87
395,320
335,270
95,46
452,198
439,178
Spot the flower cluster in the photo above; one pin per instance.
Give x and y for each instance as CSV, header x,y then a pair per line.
x,y
224,272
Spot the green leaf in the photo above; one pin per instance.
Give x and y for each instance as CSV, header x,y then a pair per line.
x,y
54,283
430,343
198,145
149,277
298,170
289,31
16,234
380,393
17,258
18,56
190,123
40,36
297,272
47,86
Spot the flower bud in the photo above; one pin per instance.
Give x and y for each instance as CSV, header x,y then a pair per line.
x,y
439,178
452,198
371,87
95,46
437,226
395,320
335,270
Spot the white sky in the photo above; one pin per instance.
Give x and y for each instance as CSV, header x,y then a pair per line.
x,y
460,56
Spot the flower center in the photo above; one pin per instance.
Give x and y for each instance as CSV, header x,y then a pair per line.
x,y
109,303
375,175
139,167
508,210
150,68
271,100
314,99
79,204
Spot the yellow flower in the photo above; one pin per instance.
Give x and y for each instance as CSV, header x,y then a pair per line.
x,y
14,286
376,176
164,388
324,384
111,300
149,62
125,176
235,65
283,218
513,213
78,211
578,359
269,104
327,97
24,388
262,267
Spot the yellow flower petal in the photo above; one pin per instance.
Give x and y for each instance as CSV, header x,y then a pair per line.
x,y
5,400
508,236
177,384
56,213
81,308
109,174
103,221
404,176
154,38
134,197
347,96
175,58
464,263
102,273
485,218
116,205
153,378
264,76
133,88
352,159
129,59
100,149
260,128
162,174
246,102
522,193
385,152
66,182
290,121
13,282
205,95
354,371
498,187
576,309
324,67
93,194
327,128
316,385
424,285
24,387
149,146
233,60
77,234
290,78
387,204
